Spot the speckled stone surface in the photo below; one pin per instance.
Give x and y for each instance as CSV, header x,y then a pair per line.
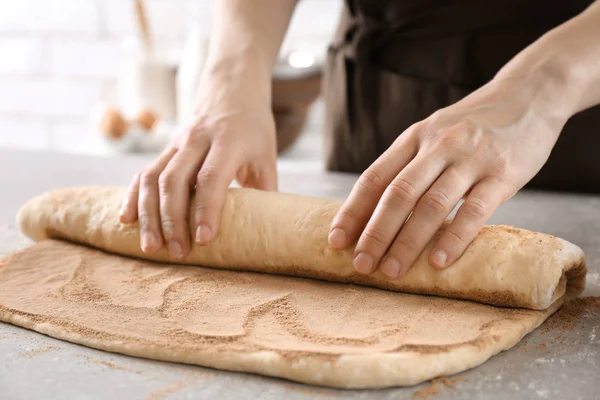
x,y
546,365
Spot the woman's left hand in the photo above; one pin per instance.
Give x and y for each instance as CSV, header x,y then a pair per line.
x,y
482,149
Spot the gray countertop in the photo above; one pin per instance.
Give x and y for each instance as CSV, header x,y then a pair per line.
x,y
546,365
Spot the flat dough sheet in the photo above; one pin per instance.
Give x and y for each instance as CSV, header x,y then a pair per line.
x,y
309,331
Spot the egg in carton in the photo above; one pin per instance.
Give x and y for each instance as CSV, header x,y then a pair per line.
x,y
112,129
153,133
129,135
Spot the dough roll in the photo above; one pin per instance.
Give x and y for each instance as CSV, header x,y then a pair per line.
x,y
286,234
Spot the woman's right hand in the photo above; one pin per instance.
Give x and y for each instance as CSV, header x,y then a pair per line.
x,y
231,136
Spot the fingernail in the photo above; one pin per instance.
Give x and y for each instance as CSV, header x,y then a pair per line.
x,y
391,268
363,263
149,242
337,238
175,250
123,214
203,234
439,258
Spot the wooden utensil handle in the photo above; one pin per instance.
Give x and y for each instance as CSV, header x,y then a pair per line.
x,y
143,25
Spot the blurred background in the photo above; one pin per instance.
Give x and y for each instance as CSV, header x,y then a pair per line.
x,y
104,77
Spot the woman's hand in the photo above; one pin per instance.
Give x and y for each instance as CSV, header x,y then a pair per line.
x,y
482,149
232,135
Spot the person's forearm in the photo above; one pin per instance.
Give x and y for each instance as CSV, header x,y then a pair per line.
x,y
245,41
564,64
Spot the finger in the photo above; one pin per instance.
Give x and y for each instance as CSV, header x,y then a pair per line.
x,y
212,183
129,212
148,203
262,179
268,178
430,213
174,188
354,214
484,200
396,204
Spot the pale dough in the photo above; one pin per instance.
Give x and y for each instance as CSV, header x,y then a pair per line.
x,y
315,332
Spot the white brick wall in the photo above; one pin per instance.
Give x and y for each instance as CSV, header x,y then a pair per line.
x,y
60,57
169,17
49,97
84,58
50,16
24,132
22,55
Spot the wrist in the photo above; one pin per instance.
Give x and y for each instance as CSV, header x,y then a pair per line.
x,y
233,87
245,68
549,88
555,69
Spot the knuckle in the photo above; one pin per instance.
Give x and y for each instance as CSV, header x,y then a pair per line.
x,y
490,146
465,126
497,180
198,123
417,130
167,182
205,206
494,155
406,243
193,138
370,181
500,163
474,209
504,187
144,219
136,178
456,237
460,140
437,117
429,127
169,226
436,202
374,235
224,141
449,139
209,129
195,128
201,209
208,175
148,177
403,190
348,214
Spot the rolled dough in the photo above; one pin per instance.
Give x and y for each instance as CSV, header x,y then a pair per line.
x,y
306,330
287,234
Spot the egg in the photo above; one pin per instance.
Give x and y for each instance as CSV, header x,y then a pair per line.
x,y
146,119
111,123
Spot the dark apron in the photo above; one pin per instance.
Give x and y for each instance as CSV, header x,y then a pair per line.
x,y
394,63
